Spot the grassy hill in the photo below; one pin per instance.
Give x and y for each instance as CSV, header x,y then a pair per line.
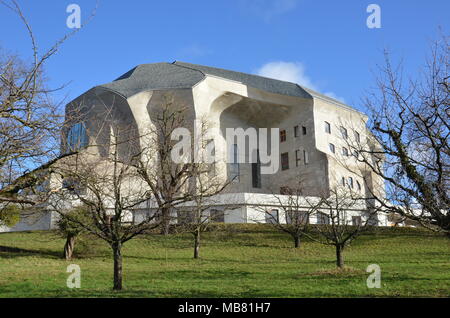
x,y
236,261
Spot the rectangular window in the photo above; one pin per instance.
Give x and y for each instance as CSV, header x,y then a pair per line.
x,y
76,137
234,164
356,220
296,134
210,145
327,127
305,157
185,217
322,218
285,161
332,148
345,151
297,158
303,130
358,185
343,181
272,216
297,217
216,216
344,132
350,182
282,135
357,137
256,172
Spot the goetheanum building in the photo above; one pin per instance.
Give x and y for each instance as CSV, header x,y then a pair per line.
x,y
314,130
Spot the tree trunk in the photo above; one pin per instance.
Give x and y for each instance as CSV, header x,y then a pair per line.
x,y
165,224
339,256
197,244
117,265
69,246
296,241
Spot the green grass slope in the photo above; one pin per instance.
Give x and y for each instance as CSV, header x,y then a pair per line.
x,y
236,261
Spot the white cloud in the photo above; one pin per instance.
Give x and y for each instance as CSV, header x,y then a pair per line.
x,y
334,96
286,71
292,72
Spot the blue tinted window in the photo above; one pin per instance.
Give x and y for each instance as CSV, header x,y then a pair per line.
x,y
77,137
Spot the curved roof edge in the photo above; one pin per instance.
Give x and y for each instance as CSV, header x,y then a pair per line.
x,y
182,75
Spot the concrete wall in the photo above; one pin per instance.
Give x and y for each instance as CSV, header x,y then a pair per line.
x,y
42,221
229,104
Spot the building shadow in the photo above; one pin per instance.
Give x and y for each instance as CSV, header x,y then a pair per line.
x,y
20,252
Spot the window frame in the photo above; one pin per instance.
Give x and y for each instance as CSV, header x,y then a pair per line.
x,y
357,137
301,217
285,164
77,137
344,132
296,131
350,182
297,158
327,127
216,216
305,157
356,217
234,167
270,218
283,136
345,152
323,217
332,147
256,172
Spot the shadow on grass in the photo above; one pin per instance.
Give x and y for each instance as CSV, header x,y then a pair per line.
x,y
19,252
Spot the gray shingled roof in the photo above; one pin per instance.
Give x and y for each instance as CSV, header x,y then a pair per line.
x,y
263,83
185,75
155,76
147,77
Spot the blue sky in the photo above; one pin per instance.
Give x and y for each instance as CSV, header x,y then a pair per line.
x,y
322,44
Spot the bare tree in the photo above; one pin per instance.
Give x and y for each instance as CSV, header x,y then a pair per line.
x,y
110,188
296,210
168,180
196,216
340,219
132,188
29,120
409,148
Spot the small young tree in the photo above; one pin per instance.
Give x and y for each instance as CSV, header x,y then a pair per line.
x,y
340,220
197,217
295,209
9,214
71,229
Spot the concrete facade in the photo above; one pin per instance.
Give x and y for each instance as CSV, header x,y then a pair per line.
x,y
231,99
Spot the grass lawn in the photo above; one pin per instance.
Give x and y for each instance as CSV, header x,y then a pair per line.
x,y
235,262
